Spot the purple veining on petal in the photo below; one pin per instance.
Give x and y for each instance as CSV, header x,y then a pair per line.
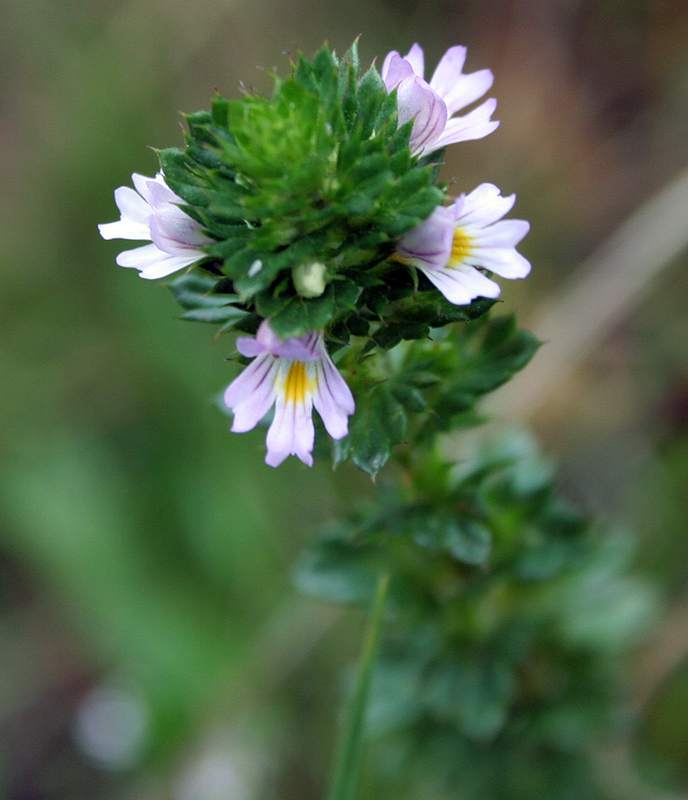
x,y
151,212
395,69
295,349
264,382
251,380
173,233
160,194
430,242
418,102
251,395
291,431
301,348
331,400
491,244
432,104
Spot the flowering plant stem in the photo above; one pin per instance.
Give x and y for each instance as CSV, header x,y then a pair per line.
x,y
360,291
350,750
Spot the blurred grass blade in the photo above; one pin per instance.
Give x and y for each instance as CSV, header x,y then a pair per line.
x,y
348,762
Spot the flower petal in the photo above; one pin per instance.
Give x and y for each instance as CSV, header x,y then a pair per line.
x,y
466,89
395,69
463,284
296,349
474,125
483,206
333,399
160,195
505,233
125,229
300,348
418,102
174,231
144,186
506,262
448,71
249,347
292,431
416,59
134,212
431,241
131,205
152,262
252,393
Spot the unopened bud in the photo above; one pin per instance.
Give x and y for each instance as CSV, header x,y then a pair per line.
x,y
309,279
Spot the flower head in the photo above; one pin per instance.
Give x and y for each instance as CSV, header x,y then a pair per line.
x,y
432,105
152,212
453,244
295,375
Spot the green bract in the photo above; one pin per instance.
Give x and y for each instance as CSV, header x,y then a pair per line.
x,y
319,173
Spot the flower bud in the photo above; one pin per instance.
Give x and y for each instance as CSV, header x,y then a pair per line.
x,y
309,278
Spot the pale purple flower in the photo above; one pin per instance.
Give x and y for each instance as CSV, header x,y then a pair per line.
x,y
453,244
295,375
432,105
152,212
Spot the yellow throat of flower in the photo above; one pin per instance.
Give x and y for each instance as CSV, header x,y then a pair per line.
x,y
297,384
462,247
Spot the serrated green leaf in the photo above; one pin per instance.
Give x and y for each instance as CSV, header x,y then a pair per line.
x,y
220,111
351,56
299,316
378,424
371,95
226,248
469,541
248,324
341,450
305,76
228,315
387,115
336,572
196,290
387,337
411,398
475,696
357,325
345,292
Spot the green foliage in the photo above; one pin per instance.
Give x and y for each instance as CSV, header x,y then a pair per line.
x,y
319,171
502,637
320,175
430,385
198,294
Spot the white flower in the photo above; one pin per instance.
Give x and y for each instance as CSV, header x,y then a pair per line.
x,y
432,105
152,212
295,375
452,243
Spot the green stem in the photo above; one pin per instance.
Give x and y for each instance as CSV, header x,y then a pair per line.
x,y
350,750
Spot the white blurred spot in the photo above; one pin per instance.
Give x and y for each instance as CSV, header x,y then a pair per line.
x,y
255,268
213,777
110,727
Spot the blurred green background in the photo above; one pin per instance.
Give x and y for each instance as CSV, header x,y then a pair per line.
x,y
151,644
